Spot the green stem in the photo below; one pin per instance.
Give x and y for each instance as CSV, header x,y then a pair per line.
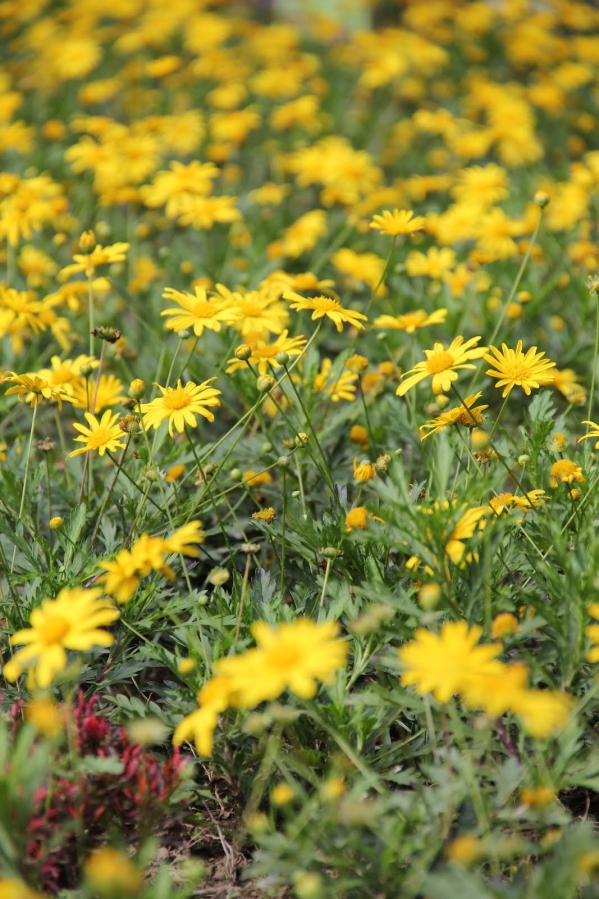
x,y
282,579
110,489
90,305
594,375
512,293
25,477
498,417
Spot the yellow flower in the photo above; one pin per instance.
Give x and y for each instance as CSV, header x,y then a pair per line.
x,y
110,872
103,436
464,849
467,414
357,518
12,888
88,263
290,656
71,621
267,515
265,354
410,321
180,405
469,521
443,663
281,794
295,655
531,500
537,797
593,433
513,368
442,365
45,716
36,388
338,388
566,381
364,471
543,712
358,434
199,311
184,539
504,625
109,392
566,471
397,222
148,554
174,473
325,306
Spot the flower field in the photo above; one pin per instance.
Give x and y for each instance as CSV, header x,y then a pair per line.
x,y
299,485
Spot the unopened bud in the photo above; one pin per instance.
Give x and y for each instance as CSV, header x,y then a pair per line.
x,y
85,371
282,358
265,383
250,548
87,241
243,352
428,596
523,460
283,461
110,335
137,389
184,334
236,474
130,424
541,198
154,474
56,523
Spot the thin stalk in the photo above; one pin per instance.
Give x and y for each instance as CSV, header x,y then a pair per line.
x,y
188,360
87,465
512,294
282,579
111,488
246,575
326,471
504,404
90,306
209,491
324,587
48,484
594,375
25,477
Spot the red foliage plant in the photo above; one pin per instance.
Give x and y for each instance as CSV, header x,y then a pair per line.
x,y
126,795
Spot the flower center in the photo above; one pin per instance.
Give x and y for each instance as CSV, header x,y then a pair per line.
x,y
204,310
176,399
54,630
439,362
325,303
99,437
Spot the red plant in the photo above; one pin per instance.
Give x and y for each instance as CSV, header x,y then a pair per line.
x,y
72,812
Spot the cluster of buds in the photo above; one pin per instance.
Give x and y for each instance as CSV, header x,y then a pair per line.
x,y
110,335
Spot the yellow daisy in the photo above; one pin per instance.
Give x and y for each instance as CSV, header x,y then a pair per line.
x,y
322,306
71,621
513,368
196,312
103,435
443,364
180,405
399,221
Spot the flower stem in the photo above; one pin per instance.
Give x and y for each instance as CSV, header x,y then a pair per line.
x,y
25,477
595,360
498,417
110,489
